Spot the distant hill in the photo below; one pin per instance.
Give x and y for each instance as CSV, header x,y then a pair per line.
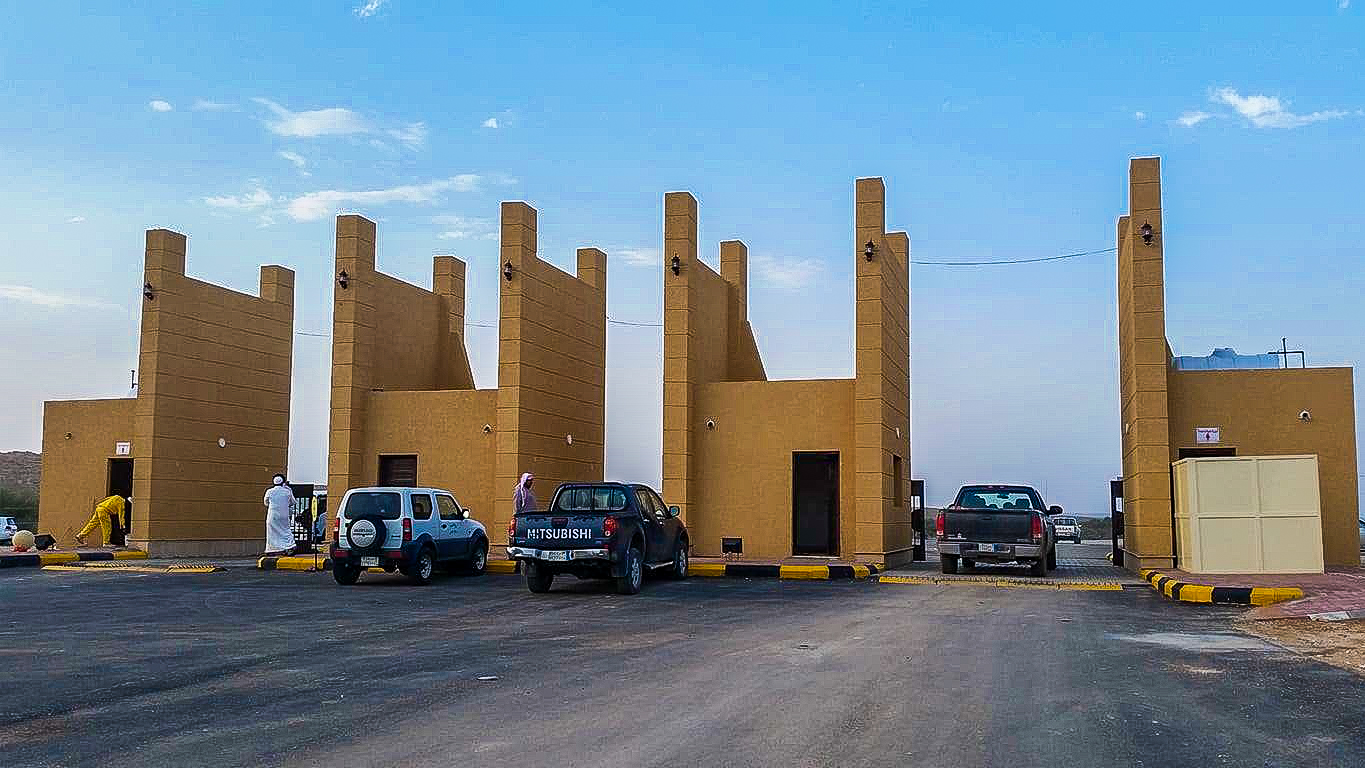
x,y
19,470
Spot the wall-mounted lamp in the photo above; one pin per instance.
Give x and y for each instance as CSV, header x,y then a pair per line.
x,y
68,435
568,439
487,428
147,291
1305,416
507,270
343,280
710,423
869,250
676,265
1146,231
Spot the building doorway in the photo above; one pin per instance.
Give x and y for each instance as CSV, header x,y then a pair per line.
x,y
121,484
815,503
398,471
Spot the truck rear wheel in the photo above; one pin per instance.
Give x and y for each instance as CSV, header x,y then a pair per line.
x,y
949,563
538,579
1039,567
967,566
633,572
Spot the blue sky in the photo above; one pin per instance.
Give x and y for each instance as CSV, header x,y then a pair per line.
x,y
1003,131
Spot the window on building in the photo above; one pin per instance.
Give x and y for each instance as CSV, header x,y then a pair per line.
x,y
898,478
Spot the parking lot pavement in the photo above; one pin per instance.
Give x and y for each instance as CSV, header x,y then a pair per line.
x,y
263,668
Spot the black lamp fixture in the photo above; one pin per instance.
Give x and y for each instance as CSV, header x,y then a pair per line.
x,y
1146,231
507,271
869,250
343,280
676,265
148,292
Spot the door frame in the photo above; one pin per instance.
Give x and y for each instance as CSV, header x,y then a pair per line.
x,y
833,550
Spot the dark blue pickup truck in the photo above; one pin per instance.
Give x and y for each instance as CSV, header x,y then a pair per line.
x,y
599,531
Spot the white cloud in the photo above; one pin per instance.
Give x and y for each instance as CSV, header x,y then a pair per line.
x,y
465,228
310,124
1344,4
370,8
298,160
637,257
75,220
491,122
256,199
412,135
785,274
205,105
1268,111
318,205
1139,115
1191,119
158,105
28,295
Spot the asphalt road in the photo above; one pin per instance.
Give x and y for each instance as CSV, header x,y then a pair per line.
x,y
247,668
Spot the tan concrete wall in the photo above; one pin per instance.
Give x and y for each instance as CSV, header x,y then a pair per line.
x,y
1143,363
214,364
75,473
882,372
444,429
746,461
1258,414
407,341
709,347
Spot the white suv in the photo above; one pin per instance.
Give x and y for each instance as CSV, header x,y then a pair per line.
x,y
8,527
405,529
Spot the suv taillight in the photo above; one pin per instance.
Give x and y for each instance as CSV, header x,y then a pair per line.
x,y
938,525
336,530
1037,529
511,529
609,527
407,530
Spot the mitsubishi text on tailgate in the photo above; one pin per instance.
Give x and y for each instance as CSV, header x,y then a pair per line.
x,y
997,524
599,531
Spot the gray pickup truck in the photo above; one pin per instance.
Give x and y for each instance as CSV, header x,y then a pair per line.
x,y
997,524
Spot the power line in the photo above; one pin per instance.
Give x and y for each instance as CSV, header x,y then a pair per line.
x,y
1011,261
634,325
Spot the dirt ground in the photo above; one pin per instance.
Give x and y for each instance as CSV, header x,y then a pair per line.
x,y
1339,643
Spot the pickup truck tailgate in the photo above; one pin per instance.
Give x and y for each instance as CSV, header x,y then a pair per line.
x,y
987,525
560,531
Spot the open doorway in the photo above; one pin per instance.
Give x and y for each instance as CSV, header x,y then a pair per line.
x,y
815,503
121,484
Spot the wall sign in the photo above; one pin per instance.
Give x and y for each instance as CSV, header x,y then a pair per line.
x,y
1208,435
123,449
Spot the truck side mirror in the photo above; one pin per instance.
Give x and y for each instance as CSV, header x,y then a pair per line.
x,y
673,511
466,513
1054,510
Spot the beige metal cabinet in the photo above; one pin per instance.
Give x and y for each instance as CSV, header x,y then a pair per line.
x,y
1248,514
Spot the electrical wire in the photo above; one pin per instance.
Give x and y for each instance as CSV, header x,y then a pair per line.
x,y
1011,261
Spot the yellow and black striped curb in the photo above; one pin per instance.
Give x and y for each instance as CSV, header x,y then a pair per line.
x,y
115,568
321,563
39,559
764,571
987,581
1202,593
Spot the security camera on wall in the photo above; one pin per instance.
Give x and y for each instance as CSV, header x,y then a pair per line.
x,y
1305,416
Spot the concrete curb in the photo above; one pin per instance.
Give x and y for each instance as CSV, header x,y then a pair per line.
x,y
1023,583
39,559
309,563
798,572
1206,594
134,568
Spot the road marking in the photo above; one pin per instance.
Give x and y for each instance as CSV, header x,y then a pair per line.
x,y
134,568
1095,586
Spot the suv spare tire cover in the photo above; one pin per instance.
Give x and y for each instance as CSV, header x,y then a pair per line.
x,y
366,534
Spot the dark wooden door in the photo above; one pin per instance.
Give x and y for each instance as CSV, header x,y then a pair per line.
x,y
815,503
398,471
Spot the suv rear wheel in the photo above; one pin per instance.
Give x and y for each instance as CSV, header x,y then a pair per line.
x,y
345,575
948,563
421,569
633,576
679,569
538,579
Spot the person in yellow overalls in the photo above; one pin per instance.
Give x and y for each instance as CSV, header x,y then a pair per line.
x,y
105,513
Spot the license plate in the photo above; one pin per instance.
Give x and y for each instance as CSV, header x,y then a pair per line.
x,y
997,547
369,562
552,555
